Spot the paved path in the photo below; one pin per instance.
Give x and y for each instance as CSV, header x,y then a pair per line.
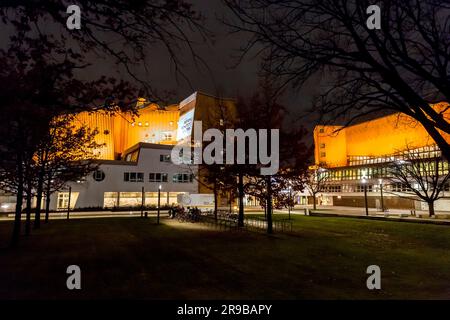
x,y
393,215
89,214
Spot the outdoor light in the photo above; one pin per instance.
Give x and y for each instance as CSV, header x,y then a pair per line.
x,y
159,201
140,124
146,124
289,202
380,181
364,182
5,206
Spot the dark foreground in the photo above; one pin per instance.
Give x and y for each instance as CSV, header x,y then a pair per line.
x,y
326,258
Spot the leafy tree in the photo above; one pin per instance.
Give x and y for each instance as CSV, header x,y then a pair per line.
x,y
68,154
38,83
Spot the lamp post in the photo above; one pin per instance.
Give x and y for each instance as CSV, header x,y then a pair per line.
x,y
142,201
364,182
381,192
68,203
289,202
159,202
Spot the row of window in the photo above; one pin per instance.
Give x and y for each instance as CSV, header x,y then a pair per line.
x,y
419,153
380,172
395,187
158,177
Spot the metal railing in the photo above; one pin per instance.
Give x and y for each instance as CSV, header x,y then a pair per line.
x,y
250,224
279,225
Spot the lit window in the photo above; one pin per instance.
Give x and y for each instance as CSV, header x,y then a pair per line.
x,y
133,177
182,178
164,157
158,177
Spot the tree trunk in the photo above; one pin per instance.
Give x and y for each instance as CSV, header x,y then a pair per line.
x,y
47,200
40,187
431,208
241,200
28,210
231,201
19,198
314,201
269,204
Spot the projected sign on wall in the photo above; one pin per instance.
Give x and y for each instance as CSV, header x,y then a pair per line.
x,y
185,125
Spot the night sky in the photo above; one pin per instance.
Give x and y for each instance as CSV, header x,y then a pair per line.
x,y
221,77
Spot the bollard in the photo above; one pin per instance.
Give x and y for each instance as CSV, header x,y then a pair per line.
x,y
146,214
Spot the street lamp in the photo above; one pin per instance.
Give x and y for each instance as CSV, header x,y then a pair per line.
x,y
364,182
159,201
289,202
142,201
380,181
68,203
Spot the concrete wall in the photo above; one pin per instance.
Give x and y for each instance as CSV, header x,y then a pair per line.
x,y
91,192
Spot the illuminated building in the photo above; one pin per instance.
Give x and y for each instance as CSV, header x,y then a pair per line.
x,y
363,151
136,154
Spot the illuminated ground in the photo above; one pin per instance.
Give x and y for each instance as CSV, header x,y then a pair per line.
x,y
134,258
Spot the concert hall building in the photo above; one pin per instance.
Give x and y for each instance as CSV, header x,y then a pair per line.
x,y
358,156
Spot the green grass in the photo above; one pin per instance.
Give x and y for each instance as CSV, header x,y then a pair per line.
x,y
326,258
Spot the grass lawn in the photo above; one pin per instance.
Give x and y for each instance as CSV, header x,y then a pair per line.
x,y
135,258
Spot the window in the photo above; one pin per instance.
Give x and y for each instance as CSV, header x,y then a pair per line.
x,y
132,156
400,187
133,177
158,177
166,136
333,189
321,130
322,145
182,178
164,157
360,188
99,175
323,154
63,200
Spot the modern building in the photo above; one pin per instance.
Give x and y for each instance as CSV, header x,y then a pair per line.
x,y
357,157
145,171
135,156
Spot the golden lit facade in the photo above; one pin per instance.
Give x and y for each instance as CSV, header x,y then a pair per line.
x,y
347,155
120,131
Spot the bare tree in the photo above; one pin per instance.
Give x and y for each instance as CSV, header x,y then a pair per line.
x,y
126,31
402,67
420,174
316,183
263,110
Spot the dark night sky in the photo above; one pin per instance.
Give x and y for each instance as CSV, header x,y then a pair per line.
x,y
224,77
220,57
